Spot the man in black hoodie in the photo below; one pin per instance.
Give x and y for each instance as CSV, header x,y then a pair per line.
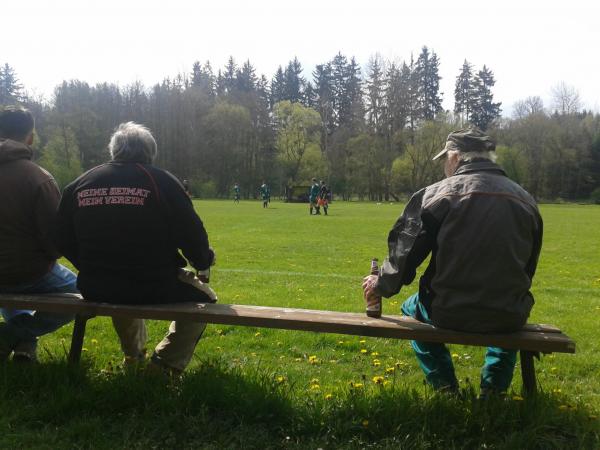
x,y
29,197
122,225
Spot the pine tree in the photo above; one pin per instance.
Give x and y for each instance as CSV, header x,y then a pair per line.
x,y
485,111
375,107
354,94
293,81
427,73
465,93
229,75
310,96
278,87
10,88
203,78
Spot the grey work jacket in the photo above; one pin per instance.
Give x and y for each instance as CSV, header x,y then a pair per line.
x,y
484,234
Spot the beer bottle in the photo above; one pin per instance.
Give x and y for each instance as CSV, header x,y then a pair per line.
x,y
375,309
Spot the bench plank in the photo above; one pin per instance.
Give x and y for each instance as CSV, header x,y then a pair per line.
x,y
533,337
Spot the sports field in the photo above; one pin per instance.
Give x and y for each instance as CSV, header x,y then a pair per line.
x,y
261,388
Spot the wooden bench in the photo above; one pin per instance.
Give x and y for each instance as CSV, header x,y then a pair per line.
x,y
530,341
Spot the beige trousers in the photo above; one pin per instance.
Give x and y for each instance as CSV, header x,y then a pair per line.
x,y
174,351
177,347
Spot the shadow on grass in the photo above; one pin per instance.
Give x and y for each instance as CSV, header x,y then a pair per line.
x,y
58,406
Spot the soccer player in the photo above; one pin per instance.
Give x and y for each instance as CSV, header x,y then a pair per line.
x,y
312,196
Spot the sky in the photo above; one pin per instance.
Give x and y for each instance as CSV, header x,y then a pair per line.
x,y
530,45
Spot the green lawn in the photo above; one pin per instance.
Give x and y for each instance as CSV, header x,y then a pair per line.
x,y
261,388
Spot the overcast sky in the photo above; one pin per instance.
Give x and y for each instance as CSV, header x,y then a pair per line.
x,y
530,45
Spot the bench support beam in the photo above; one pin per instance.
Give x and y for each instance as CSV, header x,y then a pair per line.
x,y
77,339
528,371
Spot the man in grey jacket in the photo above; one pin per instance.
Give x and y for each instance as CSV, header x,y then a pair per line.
x,y
29,197
484,234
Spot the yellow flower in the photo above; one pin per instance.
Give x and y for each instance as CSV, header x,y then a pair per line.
x,y
315,387
341,342
328,397
257,334
553,369
313,359
314,381
84,349
280,379
455,355
376,363
220,332
378,380
362,341
556,391
358,385
374,354
95,341
365,423
297,359
363,350
390,370
517,398
386,382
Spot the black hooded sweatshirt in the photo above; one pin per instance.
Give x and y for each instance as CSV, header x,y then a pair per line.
x,y
122,225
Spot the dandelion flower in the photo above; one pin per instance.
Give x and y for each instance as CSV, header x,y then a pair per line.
x,y
386,382
378,380
315,387
553,369
297,359
455,355
313,359
362,341
328,396
84,349
517,398
374,353
390,370
314,381
280,379
358,385
257,334
95,341
363,350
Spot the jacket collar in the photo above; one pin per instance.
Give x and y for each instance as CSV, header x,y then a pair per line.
x,y
484,165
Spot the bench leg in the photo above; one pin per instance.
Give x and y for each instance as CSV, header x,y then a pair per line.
x,y
77,339
528,371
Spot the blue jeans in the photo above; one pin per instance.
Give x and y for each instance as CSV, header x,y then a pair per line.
x,y
436,362
27,326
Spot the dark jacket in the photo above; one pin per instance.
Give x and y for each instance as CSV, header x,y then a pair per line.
x,y
29,197
121,224
484,233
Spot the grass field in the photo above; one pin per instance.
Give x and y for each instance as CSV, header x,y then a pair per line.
x,y
261,388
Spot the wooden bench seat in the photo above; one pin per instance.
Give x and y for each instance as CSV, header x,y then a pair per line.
x,y
530,341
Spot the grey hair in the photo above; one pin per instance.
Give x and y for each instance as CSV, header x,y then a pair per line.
x,y
132,142
471,156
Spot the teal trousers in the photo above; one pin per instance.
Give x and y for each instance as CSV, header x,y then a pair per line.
x,y
436,362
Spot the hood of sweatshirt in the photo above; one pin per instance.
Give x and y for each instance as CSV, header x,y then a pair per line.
x,y
12,150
